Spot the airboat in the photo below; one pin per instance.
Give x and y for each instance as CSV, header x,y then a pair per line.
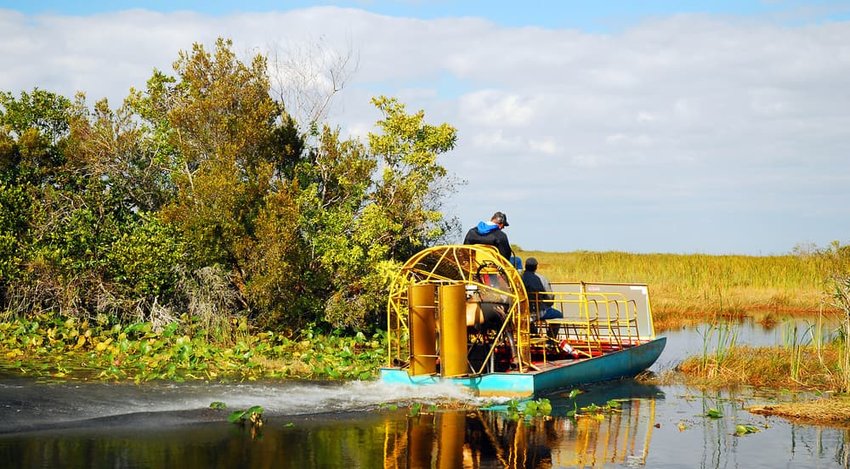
x,y
460,314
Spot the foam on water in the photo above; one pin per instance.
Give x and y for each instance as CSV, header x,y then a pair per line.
x,y
298,398
56,402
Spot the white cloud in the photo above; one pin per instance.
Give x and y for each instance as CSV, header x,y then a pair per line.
x,y
545,145
676,120
493,108
495,141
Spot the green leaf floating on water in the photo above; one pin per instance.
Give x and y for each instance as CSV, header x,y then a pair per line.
x,y
218,405
714,413
236,416
241,415
745,429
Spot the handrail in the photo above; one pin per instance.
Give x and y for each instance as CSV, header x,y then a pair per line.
x,y
591,319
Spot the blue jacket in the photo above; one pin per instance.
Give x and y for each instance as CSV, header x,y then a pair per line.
x,y
489,233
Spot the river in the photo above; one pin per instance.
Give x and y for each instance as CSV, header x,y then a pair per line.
x,y
367,425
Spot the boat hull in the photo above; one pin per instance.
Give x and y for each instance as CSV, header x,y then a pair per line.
x,y
623,363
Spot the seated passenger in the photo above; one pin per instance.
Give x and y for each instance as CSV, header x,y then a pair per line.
x,y
537,287
491,233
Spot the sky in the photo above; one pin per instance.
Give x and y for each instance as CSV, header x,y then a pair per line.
x,y
642,126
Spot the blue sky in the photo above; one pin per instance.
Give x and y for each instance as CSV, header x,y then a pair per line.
x,y
642,126
585,15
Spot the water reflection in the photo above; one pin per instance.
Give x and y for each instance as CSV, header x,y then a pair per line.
x,y
472,440
484,438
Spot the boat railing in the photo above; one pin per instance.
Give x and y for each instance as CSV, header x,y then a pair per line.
x,y
592,322
618,318
580,322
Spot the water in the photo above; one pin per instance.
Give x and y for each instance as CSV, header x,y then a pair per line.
x,y
365,425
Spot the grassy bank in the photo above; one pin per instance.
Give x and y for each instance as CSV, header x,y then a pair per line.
x,y
804,368
700,286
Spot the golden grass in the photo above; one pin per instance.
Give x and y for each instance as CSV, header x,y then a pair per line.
x,y
696,286
830,410
769,367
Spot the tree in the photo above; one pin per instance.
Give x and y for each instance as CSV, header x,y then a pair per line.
x,y
201,194
232,151
308,77
400,216
61,215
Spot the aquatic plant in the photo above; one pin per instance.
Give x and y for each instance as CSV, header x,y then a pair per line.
x,y
593,410
742,429
714,413
573,393
715,355
253,414
537,408
795,344
69,348
528,409
841,300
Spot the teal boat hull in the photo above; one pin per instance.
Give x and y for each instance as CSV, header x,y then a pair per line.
x,y
552,376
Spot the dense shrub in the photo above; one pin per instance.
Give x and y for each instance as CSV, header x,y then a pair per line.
x,y
201,195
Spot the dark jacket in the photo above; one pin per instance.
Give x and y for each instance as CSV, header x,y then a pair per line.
x,y
534,284
488,233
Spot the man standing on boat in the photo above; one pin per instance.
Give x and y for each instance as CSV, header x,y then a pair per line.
x,y
491,233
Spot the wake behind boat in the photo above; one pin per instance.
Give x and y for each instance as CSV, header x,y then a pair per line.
x,y
461,314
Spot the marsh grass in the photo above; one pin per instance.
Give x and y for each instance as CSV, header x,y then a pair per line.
x,y
841,300
831,410
795,344
769,367
718,342
690,288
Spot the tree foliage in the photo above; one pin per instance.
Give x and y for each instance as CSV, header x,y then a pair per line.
x,y
201,194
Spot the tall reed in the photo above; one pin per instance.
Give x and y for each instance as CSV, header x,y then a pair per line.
x,y
841,300
701,283
714,356
796,343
